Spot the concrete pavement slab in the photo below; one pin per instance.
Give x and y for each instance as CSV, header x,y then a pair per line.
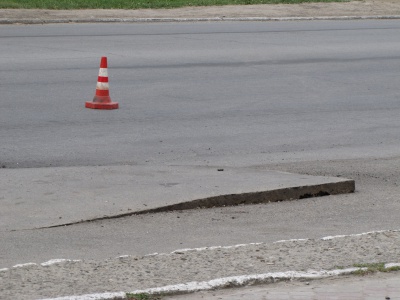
x,y
44,197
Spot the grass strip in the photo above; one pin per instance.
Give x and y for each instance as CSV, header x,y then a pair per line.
x,y
373,268
144,296
137,4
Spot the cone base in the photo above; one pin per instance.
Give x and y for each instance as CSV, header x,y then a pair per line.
x,y
98,105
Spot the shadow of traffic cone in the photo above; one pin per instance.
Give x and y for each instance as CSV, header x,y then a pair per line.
x,y
102,98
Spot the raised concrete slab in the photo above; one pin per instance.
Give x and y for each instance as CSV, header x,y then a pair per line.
x,y
44,197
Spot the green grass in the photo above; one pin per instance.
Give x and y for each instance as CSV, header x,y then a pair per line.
x,y
142,296
136,4
373,268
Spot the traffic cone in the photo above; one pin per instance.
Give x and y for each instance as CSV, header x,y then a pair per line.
x,y
102,98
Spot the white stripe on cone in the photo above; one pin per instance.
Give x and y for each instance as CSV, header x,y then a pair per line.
x,y
103,72
102,86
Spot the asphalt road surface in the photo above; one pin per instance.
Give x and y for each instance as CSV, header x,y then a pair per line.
x,y
199,93
316,97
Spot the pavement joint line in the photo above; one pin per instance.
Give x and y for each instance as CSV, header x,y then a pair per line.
x,y
211,19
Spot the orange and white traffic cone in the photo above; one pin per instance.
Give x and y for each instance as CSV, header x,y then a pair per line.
x,y
102,98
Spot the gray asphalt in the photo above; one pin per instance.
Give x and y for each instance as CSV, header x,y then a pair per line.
x,y
318,98
232,93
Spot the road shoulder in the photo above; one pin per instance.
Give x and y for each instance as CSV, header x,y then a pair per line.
x,y
353,9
